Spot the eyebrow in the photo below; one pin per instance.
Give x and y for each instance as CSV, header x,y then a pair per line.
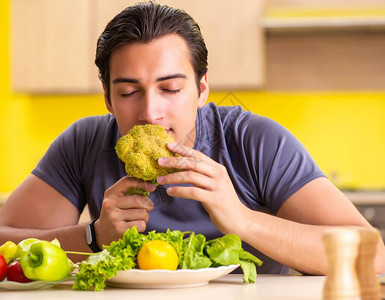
x,y
172,76
163,78
125,80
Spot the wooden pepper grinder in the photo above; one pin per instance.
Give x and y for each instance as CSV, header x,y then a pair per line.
x,y
369,284
341,249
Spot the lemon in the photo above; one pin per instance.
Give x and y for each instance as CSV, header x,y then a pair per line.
x,y
157,254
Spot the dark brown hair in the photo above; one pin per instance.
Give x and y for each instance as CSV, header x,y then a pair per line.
x,y
143,23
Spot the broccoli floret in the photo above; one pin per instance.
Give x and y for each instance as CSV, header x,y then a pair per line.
x,y
140,150
137,191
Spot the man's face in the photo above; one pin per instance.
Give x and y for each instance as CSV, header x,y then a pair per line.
x,y
155,83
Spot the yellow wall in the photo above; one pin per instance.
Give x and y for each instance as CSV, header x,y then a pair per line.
x,y
345,132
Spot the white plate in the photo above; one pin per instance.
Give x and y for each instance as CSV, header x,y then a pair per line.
x,y
155,279
33,285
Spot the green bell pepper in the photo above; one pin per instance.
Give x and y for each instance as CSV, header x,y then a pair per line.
x,y
45,261
24,246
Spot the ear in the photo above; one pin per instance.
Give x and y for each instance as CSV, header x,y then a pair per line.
x,y
107,103
204,85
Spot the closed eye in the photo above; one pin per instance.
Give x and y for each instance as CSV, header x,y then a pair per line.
x,y
171,91
128,94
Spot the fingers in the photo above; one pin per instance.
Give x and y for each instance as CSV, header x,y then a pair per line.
x,y
181,150
132,215
191,177
185,163
198,169
131,202
122,185
186,151
122,201
120,211
189,159
188,193
126,210
118,207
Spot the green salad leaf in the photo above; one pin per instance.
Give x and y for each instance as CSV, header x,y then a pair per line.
x,y
227,250
248,262
94,271
249,271
193,257
127,248
224,251
194,252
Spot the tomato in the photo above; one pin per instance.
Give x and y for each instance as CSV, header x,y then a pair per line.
x,y
15,273
3,267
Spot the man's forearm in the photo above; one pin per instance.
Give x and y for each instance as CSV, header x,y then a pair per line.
x,y
296,245
71,238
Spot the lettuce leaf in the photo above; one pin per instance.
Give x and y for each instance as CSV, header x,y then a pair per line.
x,y
127,248
193,257
94,271
249,271
227,250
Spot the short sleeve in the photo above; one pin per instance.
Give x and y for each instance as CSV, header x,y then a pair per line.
x,y
60,167
280,163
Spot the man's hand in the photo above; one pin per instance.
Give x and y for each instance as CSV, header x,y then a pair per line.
x,y
212,186
120,212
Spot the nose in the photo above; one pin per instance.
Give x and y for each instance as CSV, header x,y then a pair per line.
x,y
152,109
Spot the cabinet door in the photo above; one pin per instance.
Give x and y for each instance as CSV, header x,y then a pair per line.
x,y
54,41
51,47
233,34
232,31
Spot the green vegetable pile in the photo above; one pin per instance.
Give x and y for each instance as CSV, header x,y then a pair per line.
x,y
194,252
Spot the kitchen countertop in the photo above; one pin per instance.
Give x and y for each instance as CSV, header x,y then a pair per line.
x,y
366,197
272,287
267,287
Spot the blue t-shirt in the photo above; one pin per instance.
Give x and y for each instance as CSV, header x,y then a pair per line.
x,y
265,162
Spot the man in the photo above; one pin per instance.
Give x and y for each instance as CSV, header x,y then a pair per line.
x,y
241,173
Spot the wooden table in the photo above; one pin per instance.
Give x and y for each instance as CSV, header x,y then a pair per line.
x,y
267,287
